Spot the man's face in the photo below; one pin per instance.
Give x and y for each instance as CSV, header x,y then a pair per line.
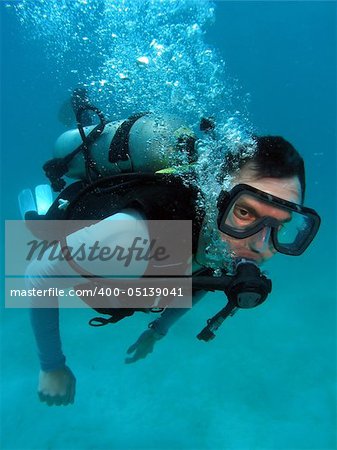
x,y
259,247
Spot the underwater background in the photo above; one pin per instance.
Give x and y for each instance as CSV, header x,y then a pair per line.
x,y
268,380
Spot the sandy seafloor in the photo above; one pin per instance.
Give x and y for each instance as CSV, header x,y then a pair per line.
x,y
268,380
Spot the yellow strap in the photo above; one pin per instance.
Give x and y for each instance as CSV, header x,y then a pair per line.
x,y
176,170
169,170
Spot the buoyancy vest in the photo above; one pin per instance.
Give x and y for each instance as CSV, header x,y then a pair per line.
x,y
157,196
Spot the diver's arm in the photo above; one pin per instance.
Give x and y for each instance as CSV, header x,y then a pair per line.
x,y
44,310
157,330
171,315
45,324
56,381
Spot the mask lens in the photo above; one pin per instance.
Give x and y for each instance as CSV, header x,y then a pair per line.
x,y
293,235
289,231
248,213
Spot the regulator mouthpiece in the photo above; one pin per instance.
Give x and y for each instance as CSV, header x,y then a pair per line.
x,y
247,288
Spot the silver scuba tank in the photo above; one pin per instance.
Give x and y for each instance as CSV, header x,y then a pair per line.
x,y
153,143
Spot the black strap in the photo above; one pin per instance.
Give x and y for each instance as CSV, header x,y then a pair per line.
x,y
116,314
90,165
56,168
119,147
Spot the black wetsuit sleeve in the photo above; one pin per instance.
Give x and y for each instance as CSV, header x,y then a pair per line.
x,y
45,324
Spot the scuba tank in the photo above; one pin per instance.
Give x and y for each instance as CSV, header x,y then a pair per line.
x,y
143,143
152,145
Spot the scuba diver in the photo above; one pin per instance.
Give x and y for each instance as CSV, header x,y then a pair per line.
x,y
119,167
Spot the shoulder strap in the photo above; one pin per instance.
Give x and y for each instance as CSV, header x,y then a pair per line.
x,y
119,147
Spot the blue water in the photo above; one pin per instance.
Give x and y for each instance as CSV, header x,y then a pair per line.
x,y
268,380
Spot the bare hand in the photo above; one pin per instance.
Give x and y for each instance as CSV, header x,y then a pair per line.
x,y
143,346
57,387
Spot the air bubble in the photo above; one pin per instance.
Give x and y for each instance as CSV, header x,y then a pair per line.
x,y
143,61
123,76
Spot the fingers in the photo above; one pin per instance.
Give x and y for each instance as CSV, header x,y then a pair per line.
x,y
52,400
57,388
133,359
58,400
132,348
71,389
130,360
72,392
140,354
142,347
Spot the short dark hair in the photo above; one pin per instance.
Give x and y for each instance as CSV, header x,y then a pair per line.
x,y
272,157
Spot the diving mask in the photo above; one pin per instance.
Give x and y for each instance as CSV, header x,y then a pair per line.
x,y
245,211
